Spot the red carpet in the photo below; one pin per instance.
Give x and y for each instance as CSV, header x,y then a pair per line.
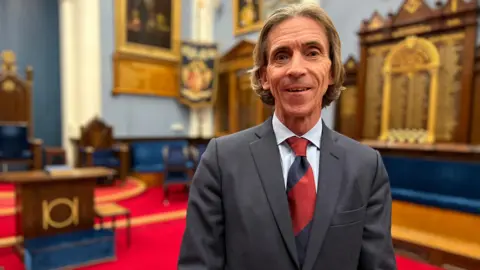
x,y
156,246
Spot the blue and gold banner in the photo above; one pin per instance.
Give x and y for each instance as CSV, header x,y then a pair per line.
x,y
198,74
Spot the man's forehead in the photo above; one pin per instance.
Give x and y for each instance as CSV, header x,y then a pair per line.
x,y
290,34
297,43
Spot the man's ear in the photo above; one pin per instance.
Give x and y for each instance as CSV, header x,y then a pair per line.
x,y
263,78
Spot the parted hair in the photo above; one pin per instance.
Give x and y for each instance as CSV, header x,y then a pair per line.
x,y
260,53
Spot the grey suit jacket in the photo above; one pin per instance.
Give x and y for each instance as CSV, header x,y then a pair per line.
x,y
238,215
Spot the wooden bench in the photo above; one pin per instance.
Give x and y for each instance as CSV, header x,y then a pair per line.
x,y
113,210
441,237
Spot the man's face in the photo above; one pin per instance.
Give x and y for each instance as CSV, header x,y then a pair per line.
x,y
298,70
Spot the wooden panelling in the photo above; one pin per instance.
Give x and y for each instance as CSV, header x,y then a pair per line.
x,y
438,25
475,123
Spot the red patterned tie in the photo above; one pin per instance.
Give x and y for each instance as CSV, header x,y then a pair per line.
x,y
301,194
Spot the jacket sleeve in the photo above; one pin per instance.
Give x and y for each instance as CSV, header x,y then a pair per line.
x,y
377,249
203,240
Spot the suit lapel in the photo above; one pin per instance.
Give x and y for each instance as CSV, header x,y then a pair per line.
x,y
329,183
267,160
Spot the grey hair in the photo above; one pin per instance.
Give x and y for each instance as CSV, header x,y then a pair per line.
x,y
260,57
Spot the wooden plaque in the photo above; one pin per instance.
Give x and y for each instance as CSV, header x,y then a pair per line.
x,y
142,76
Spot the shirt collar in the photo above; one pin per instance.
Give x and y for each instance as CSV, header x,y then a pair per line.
x,y
282,133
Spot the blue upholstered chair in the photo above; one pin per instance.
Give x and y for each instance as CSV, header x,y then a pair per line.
x,y
178,165
17,147
16,142
97,147
197,152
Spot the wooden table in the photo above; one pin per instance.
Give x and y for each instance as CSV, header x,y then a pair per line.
x,y
55,202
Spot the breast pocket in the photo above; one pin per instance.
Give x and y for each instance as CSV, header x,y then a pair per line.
x,y
348,217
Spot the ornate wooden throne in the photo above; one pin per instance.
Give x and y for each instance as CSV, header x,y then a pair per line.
x,y
414,80
97,147
16,128
412,97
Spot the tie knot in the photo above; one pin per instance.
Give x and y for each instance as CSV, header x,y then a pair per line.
x,y
298,145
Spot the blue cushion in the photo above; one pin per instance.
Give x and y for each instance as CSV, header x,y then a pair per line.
x,y
153,168
148,156
441,177
436,200
446,184
69,249
14,142
144,153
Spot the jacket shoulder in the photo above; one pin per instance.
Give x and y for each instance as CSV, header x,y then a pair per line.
x,y
236,140
355,148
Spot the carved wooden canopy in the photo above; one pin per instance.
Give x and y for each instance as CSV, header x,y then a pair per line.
x,y
447,32
15,92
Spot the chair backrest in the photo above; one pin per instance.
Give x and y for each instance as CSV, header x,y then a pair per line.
x,y
14,140
15,93
175,155
201,149
96,134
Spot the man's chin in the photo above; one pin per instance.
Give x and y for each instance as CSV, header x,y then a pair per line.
x,y
300,112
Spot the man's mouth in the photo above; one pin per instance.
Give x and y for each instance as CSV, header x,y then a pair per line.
x,y
294,90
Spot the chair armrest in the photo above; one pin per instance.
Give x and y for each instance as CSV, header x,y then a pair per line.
x,y
121,147
37,157
35,142
123,152
88,156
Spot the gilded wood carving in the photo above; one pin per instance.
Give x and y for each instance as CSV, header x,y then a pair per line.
x,y
411,60
451,29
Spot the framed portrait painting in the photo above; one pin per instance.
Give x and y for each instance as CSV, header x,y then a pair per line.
x,y
249,15
149,28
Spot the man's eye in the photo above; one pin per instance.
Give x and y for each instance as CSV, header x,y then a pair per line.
x,y
281,57
313,53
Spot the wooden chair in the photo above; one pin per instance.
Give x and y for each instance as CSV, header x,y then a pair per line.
x,y
113,210
97,147
16,127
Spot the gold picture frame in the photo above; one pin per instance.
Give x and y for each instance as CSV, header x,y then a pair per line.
x,y
246,16
249,15
148,28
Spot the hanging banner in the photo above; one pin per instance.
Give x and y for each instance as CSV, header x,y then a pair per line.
x,y
198,73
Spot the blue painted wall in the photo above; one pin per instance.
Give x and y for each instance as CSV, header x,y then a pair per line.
x,y
138,116
31,30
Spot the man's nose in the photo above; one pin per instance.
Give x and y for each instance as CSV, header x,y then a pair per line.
x,y
297,66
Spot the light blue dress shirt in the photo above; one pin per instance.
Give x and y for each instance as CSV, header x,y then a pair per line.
x,y
282,133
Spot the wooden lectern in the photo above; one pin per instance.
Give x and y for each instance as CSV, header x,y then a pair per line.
x,y
54,202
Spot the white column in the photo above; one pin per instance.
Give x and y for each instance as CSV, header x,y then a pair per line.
x,y
68,74
203,24
194,119
80,67
89,63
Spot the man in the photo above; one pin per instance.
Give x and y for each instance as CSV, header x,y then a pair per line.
x,y
291,193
